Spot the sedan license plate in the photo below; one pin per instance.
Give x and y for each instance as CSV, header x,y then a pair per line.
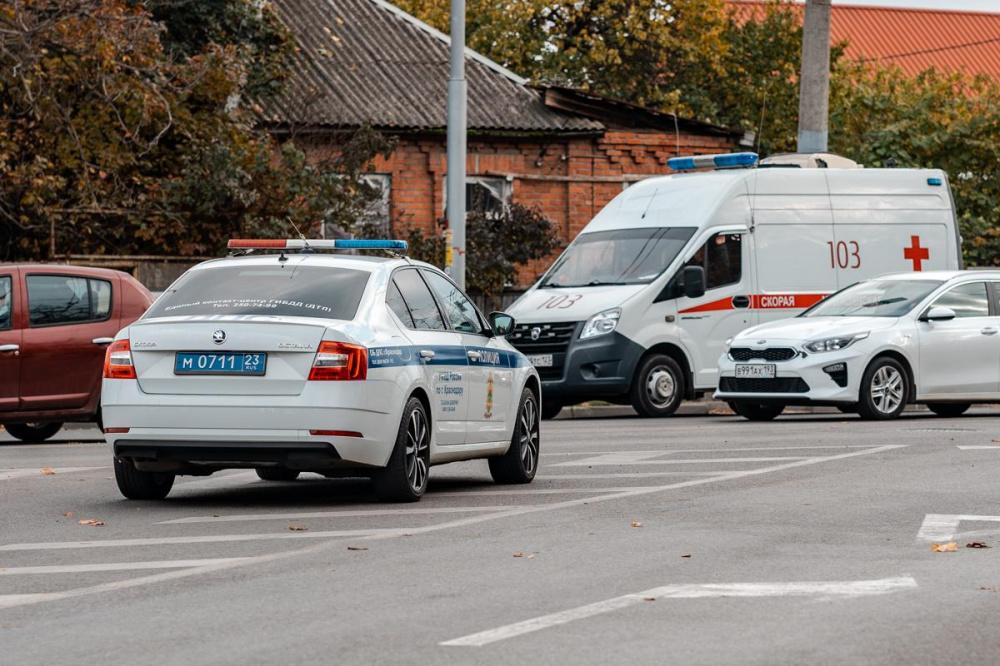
x,y
756,371
541,360
220,363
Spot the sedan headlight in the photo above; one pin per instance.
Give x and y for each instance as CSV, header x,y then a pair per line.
x,y
601,323
834,344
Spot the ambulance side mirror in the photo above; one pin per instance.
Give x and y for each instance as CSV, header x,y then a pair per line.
x,y
938,313
693,281
501,323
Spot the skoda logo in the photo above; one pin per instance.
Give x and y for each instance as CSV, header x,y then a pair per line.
x,y
536,333
760,342
219,337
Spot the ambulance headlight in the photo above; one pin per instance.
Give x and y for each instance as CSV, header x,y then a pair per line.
x,y
601,323
834,344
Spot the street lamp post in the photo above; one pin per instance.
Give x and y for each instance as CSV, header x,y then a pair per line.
x,y
814,95
455,194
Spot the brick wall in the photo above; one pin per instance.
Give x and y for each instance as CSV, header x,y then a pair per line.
x,y
569,178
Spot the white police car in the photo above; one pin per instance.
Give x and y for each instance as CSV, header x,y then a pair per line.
x,y
338,364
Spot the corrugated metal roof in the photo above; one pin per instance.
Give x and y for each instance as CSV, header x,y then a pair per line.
x,y
914,39
367,62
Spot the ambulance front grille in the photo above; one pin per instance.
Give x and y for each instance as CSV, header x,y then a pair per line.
x,y
548,339
772,354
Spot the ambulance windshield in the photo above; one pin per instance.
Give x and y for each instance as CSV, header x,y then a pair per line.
x,y
877,298
622,256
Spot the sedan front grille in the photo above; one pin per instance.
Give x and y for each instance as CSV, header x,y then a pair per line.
x,y
772,354
777,385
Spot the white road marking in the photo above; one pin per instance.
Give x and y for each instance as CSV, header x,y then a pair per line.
x,y
987,447
939,527
617,458
9,601
721,450
540,491
711,590
213,538
631,475
347,513
115,566
602,461
20,473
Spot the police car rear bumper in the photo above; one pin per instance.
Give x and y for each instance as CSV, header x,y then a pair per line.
x,y
597,368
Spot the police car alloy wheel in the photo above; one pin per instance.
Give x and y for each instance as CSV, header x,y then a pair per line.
x,y
139,485
949,409
277,474
658,387
520,463
405,477
884,390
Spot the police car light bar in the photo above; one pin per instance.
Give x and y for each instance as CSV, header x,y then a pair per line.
x,y
724,161
317,244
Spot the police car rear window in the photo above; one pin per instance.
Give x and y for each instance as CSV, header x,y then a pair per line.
x,y
296,291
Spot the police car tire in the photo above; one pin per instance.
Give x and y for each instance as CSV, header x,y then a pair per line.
x,y
32,432
392,484
641,401
277,474
756,412
866,406
138,485
550,409
949,409
519,465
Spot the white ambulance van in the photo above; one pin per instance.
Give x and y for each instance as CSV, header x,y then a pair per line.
x,y
639,307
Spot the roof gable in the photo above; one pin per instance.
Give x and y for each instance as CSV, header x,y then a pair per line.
x,y
367,62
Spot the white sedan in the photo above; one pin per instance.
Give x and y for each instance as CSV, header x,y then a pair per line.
x,y
338,364
873,348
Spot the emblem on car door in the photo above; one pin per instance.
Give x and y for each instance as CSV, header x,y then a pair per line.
x,y
219,337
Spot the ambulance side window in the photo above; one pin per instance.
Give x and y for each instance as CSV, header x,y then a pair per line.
x,y
722,258
419,301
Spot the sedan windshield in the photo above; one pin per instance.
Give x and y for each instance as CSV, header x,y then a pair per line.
x,y
623,256
876,298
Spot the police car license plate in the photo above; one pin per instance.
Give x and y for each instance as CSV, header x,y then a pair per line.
x,y
540,360
756,371
217,363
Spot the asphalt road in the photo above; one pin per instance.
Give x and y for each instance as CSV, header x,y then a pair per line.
x,y
692,540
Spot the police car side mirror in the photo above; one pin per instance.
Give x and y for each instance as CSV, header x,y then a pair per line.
x,y
694,281
938,313
501,323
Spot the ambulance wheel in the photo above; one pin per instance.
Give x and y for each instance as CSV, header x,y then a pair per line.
x,y
550,409
277,474
884,389
138,485
32,432
520,462
949,409
754,412
658,387
404,478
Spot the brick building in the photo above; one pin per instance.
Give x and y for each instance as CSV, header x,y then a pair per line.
x,y
565,151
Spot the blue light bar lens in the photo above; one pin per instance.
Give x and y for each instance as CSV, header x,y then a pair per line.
x,y
735,160
370,244
935,182
681,163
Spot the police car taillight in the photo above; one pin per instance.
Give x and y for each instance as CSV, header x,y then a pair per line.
x,y
339,361
118,361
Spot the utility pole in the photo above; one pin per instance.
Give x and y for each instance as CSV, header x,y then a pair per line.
x,y
455,190
814,92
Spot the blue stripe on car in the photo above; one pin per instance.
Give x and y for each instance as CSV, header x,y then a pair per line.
x,y
394,357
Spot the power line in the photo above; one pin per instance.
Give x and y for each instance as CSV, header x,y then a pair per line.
x,y
938,49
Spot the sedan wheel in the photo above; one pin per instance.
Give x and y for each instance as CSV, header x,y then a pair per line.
x,y
884,390
520,463
404,478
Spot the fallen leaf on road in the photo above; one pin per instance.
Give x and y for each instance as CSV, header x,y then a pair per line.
x,y
687,556
976,544
92,522
649,598
636,523
48,471
949,547
69,514
527,556
721,411
298,528
357,548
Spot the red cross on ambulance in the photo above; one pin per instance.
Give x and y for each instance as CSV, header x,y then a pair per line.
x,y
916,254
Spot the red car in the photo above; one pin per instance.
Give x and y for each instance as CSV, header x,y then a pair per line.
x,y
55,323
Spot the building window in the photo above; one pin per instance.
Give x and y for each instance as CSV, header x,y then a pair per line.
x,y
483,194
376,215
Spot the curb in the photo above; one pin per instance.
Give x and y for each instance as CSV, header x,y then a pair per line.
x,y
690,408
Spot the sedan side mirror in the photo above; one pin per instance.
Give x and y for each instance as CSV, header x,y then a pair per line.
x,y
694,281
501,323
938,313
